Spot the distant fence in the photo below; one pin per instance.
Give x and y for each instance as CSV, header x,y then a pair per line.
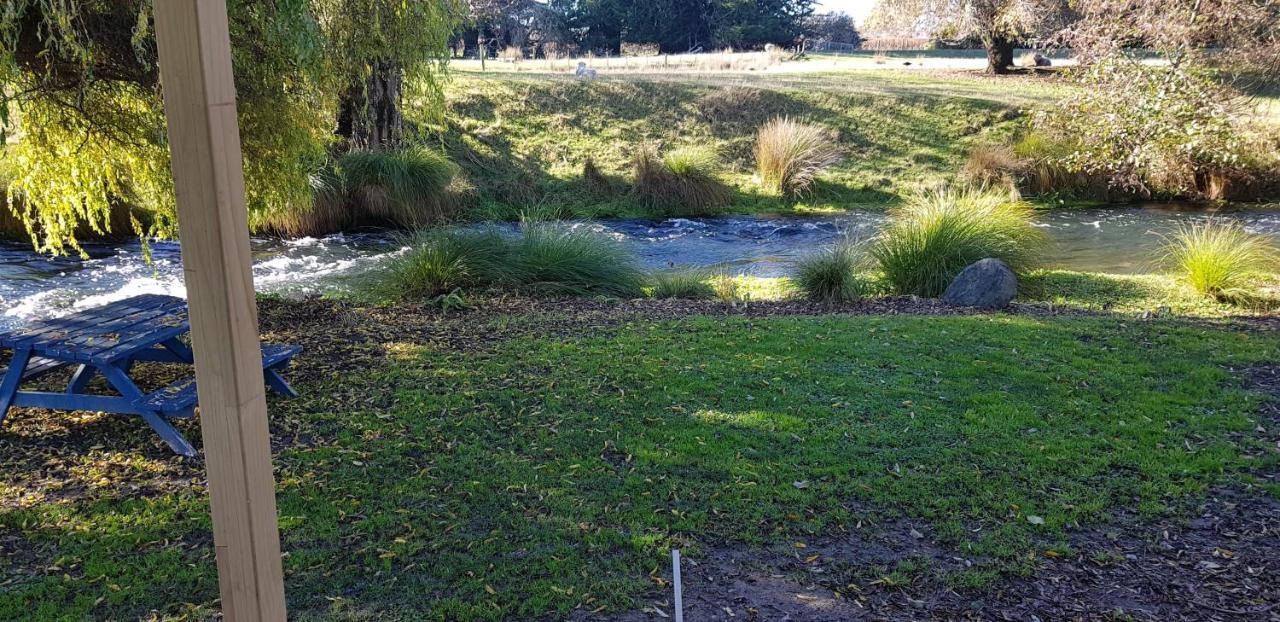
x,y
876,44
832,47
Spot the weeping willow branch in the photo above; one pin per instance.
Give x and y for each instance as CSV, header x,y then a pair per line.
x,y
80,93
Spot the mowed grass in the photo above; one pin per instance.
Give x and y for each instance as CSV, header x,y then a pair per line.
x,y
547,474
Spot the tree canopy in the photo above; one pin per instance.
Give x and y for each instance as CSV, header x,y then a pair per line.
x,y
674,25
998,24
79,86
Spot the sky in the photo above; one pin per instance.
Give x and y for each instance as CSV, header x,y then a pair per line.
x,y
859,9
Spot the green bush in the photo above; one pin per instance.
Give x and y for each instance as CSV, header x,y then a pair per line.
x,y
1167,130
681,283
1220,259
552,259
790,154
408,188
684,180
931,239
831,275
542,259
440,262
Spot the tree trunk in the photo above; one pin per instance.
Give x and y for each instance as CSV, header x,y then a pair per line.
x,y
369,114
999,54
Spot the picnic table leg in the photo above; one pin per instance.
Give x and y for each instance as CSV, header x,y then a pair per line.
x,y
12,380
179,349
80,380
278,383
121,382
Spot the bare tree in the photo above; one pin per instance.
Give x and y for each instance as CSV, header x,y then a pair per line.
x,y
999,24
1239,39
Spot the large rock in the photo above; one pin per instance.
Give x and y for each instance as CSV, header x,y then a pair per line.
x,y
987,284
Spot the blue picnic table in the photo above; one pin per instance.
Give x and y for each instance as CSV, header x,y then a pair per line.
x,y
107,341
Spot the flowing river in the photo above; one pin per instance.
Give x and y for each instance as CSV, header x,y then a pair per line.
x,y
1114,240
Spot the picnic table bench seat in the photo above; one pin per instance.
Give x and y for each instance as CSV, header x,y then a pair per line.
x,y
107,341
179,399
36,367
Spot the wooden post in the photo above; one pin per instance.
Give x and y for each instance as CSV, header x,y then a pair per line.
x,y
204,141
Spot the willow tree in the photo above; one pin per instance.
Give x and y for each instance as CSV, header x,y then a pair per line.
x,y
375,48
81,111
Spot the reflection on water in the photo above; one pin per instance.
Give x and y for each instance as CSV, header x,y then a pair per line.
x,y
1116,240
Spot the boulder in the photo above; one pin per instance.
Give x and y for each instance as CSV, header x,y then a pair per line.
x,y
987,284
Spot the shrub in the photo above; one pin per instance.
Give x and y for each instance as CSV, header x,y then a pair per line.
x,y
1169,131
681,283
552,259
684,179
790,154
1220,259
727,289
831,275
440,262
936,235
992,165
542,259
408,187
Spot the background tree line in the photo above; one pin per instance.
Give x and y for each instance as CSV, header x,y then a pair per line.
x,y
675,26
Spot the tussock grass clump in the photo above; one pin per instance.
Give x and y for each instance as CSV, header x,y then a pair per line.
x,y
566,260
831,275
541,259
441,262
728,290
931,239
597,182
408,187
992,165
1220,259
790,154
1045,169
681,283
684,180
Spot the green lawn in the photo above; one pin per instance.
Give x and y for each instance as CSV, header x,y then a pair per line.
x,y
436,478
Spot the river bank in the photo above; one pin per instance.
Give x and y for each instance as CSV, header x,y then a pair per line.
x,y
1107,241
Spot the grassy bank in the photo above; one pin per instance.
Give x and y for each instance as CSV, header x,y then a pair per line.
x,y
1131,295
524,139
527,462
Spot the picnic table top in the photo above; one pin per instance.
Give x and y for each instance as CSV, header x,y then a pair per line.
x,y
104,334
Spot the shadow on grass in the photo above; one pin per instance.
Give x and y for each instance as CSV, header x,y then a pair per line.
x,y
525,141
1097,291
548,473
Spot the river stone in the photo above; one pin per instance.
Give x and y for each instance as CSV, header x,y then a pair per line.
x,y
987,284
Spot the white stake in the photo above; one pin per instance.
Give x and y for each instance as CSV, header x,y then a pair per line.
x,y
675,582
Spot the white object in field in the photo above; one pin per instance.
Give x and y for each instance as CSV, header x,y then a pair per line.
x,y
675,582
585,72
